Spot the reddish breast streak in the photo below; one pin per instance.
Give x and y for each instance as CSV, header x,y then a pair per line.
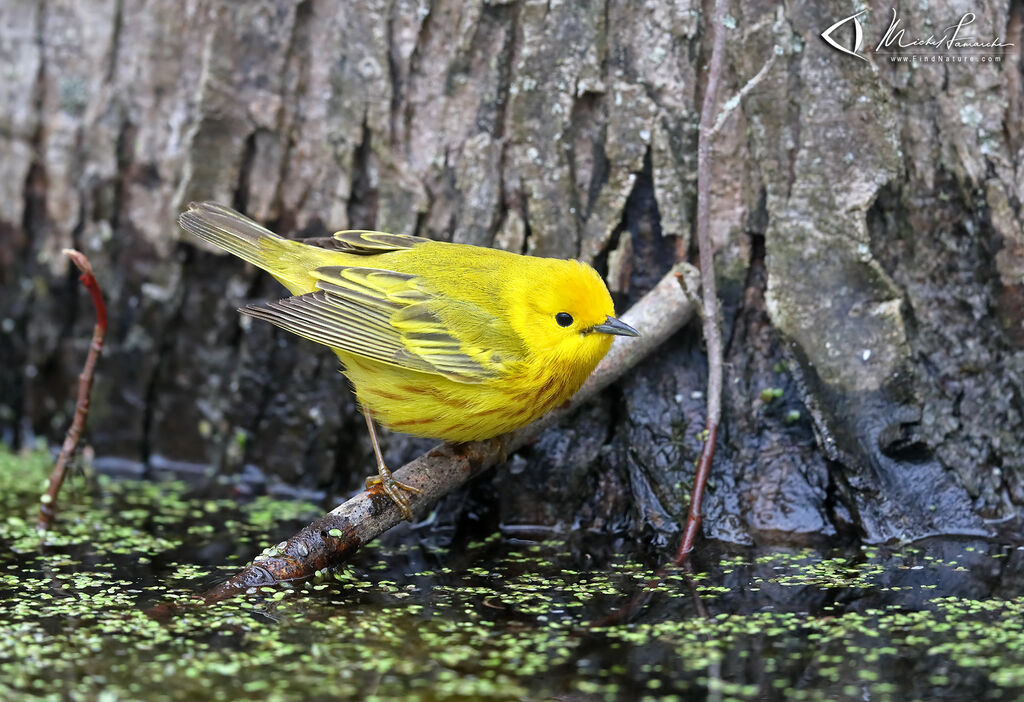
x,y
441,397
411,422
551,393
524,397
547,386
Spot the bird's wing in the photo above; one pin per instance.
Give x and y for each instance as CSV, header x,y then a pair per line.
x,y
396,318
362,241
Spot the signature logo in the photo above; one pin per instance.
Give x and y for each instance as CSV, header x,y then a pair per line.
x,y
858,35
953,43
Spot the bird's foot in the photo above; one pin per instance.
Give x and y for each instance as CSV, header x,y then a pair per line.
x,y
393,489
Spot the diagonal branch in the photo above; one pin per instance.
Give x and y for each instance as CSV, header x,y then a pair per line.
x,y
48,501
335,536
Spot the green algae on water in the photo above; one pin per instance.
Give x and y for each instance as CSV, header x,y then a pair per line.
x,y
498,618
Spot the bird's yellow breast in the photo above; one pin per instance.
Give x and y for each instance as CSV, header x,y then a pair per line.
x,y
435,407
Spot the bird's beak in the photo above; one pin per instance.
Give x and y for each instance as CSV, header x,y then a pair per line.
x,y
614,326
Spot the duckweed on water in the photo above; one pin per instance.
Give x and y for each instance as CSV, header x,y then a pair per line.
x,y
499,618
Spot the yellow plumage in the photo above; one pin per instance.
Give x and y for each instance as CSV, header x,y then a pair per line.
x,y
441,340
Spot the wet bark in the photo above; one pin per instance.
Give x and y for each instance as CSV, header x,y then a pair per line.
x,y
868,218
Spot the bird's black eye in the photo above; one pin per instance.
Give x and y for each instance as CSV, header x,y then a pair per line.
x,y
564,319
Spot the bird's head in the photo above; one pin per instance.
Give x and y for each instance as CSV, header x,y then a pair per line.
x,y
567,316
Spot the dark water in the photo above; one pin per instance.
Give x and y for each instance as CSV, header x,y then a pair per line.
x,y
567,616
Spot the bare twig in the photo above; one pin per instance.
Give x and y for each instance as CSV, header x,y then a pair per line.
x,y
732,103
712,335
330,539
48,502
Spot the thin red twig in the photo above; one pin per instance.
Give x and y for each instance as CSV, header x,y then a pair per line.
x,y
48,502
712,335
700,480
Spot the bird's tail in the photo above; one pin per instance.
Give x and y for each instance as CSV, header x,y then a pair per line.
x,y
241,236
231,231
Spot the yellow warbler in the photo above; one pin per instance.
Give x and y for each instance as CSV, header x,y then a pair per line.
x,y
440,340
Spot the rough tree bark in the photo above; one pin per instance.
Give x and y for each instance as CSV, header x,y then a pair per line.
x,y
868,218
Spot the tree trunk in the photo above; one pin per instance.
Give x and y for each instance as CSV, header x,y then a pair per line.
x,y
867,216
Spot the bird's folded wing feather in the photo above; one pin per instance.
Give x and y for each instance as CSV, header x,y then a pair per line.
x,y
362,241
397,319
